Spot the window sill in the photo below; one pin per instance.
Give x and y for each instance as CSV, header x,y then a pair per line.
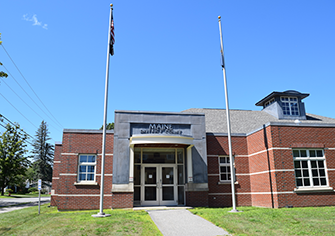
x,y
311,190
85,183
228,182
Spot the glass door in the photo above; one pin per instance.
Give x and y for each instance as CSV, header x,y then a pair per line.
x,y
168,187
150,185
159,185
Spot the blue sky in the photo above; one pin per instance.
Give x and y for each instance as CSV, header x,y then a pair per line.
x,y
167,57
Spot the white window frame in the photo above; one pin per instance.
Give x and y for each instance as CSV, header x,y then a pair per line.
x,y
290,101
87,164
227,165
309,159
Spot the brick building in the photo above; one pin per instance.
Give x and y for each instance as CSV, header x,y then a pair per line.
x,y
283,157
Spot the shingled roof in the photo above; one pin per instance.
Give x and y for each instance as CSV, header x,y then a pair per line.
x,y
247,121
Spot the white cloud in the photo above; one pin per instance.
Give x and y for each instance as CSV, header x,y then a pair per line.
x,y
35,21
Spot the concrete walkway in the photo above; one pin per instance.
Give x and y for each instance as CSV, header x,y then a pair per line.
x,y
183,222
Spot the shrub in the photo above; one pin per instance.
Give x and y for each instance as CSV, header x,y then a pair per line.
x,y
9,191
32,189
44,191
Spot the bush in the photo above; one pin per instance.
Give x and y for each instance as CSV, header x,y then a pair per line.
x,y
44,191
9,191
32,189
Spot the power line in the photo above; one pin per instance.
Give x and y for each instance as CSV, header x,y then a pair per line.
x,y
26,103
29,84
16,125
19,133
29,96
18,110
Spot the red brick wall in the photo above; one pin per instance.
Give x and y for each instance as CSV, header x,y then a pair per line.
x,y
197,198
307,199
123,200
302,137
220,193
55,172
71,196
83,202
268,157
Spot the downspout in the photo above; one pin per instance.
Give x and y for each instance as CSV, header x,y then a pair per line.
x,y
268,157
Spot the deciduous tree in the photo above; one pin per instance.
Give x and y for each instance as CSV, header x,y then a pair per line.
x,y
109,126
13,161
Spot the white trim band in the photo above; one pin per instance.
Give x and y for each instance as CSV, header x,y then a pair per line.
x,y
69,154
66,174
83,195
57,162
263,172
251,193
148,139
269,149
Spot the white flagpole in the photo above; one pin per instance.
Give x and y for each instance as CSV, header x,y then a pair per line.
x,y
101,213
231,158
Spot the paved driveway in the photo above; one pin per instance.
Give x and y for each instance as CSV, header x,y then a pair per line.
x,y
8,204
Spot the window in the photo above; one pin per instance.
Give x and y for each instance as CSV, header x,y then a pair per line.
x,y
224,169
86,168
290,106
269,102
309,168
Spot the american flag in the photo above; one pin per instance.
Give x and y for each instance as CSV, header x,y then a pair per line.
x,y
112,39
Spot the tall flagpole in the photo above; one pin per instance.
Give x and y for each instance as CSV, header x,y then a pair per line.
x,y
231,158
101,213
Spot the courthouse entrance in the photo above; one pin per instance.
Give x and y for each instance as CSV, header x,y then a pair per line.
x,y
159,176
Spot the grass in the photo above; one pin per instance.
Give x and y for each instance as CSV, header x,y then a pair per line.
x,y
28,195
51,222
264,221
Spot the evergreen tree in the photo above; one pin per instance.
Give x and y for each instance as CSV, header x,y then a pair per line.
x,y
43,154
12,160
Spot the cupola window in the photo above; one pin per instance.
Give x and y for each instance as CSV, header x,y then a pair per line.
x,y
290,106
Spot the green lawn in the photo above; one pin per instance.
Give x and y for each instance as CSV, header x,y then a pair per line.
x,y
51,222
264,221
24,195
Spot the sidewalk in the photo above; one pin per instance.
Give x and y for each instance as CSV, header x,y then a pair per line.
x,y
183,222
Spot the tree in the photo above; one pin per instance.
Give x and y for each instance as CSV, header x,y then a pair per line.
x,y
31,174
109,126
43,154
13,162
2,74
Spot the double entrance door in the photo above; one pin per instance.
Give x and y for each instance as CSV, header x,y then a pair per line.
x,y
159,184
